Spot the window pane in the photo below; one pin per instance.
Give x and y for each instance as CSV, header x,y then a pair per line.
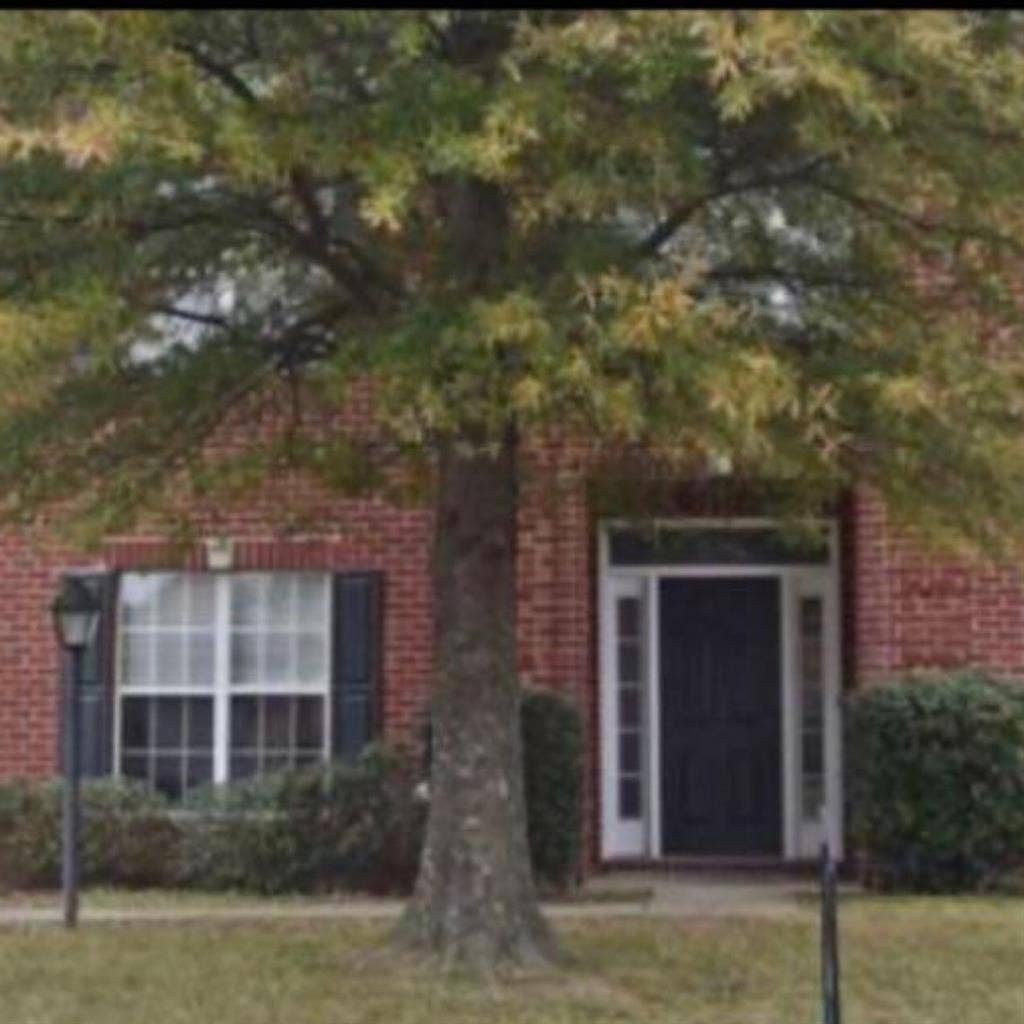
x,y
170,661
245,659
312,658
201,657
276,763
201,599
629,752
136,598
629,707
170,605
714,546
135,766
244,730
311,592
811,657
812,708
629,662
812,753
136,656
245,600
277,663
135,722
629,616
199,771
169,714
279,602
629,798
309,727
277,722
200,723
243,766
629,632
811,625
168,776
814,796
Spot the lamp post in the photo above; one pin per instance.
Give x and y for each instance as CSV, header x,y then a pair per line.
x,y
76,614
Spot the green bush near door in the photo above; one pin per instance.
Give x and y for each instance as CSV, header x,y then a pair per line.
x,y
553,779
936,782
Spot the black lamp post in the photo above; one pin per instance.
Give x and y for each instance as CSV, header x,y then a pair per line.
x,y
76,615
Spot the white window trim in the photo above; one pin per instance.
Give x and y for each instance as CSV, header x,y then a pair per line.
x,y
620,835
800,839
222,690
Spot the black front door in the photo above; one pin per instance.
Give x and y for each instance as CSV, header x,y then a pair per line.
x,y
720,707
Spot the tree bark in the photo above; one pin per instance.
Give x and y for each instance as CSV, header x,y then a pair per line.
x,y
474,903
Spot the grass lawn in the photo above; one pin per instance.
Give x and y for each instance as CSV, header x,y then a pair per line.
x,y
905,961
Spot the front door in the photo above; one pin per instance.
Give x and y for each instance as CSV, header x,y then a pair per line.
x,y
720,716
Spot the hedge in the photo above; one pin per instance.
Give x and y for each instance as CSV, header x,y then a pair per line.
x,y
353,826
936,782
128,836
357,826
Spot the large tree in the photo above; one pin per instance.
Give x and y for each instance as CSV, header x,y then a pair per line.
x,y
789,240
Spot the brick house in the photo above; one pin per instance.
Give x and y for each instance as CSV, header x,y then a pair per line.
x,y
707,654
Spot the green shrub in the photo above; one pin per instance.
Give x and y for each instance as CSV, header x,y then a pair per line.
x,y
29,834
936,782
356,825
127,837
553,777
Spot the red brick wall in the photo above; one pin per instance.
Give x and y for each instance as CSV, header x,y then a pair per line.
x,y
914,610
28,655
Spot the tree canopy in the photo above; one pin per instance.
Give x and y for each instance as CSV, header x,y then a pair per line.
x,y
789,239
783,241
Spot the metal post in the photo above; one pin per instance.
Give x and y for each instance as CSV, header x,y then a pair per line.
x,y
72,728
829,939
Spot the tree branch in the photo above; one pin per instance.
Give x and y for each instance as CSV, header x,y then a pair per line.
x,y
223,73
790,275
678,217
883,210
209,320
322,241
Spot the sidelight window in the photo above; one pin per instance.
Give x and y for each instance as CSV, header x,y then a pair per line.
x,y
629,671
812,722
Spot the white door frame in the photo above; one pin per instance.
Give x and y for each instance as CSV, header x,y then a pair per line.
x,y
642,838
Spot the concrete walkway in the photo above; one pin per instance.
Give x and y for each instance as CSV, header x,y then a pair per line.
x,y
707,894
628,894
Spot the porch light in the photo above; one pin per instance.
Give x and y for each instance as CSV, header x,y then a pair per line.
x,y
76,614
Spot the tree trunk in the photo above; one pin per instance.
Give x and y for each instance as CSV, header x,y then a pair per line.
x,y
474,903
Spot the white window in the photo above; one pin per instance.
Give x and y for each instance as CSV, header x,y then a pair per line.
x,y
221,677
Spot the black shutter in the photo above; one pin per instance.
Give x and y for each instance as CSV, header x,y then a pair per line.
x,y
355,690
96,693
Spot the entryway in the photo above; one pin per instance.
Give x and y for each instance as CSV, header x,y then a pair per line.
x,y
719,691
